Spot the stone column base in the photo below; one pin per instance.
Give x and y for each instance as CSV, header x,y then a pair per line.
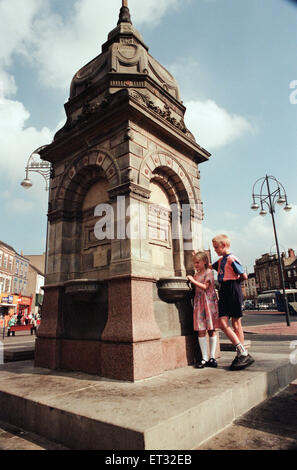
x,y
47,353
131,361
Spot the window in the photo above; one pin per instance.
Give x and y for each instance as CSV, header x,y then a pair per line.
x,y
15,285
5,261
1,255
7,285
10,263
17,265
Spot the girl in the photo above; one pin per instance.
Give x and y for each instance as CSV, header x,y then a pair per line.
x,y
205,308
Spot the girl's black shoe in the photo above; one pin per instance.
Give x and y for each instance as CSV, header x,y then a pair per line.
x,y
212,363
201,364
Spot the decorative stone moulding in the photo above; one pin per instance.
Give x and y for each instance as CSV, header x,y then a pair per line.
x,y
173,289
82,290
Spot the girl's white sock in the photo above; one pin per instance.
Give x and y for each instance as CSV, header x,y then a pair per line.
x,y
213,345
203,347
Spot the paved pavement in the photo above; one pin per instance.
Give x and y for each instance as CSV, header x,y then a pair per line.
x,y
269,426
272,425
14,438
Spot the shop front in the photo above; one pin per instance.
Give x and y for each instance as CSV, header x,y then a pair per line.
x,y
19,305
8,307
24,305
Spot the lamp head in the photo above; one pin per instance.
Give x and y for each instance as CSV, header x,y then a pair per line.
x,y
26,183
281,200
254,206
287,207
263,212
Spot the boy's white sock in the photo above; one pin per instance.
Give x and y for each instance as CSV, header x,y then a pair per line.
x,y
212,345
241,351
203,347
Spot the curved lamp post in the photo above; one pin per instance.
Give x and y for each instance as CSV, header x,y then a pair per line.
x,y
35,165
271,197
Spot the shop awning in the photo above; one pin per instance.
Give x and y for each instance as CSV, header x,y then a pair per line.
x,y
7,305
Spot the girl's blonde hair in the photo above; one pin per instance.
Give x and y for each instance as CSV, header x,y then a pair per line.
x,y
222,239
201,255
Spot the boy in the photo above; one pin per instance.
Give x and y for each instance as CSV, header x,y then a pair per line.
x,y
230,273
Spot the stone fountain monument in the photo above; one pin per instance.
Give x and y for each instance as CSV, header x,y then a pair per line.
x,y
125,185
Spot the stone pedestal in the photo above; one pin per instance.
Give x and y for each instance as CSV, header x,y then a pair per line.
x,y
131,346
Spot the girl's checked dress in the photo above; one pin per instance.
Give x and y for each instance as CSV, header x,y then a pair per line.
x,y
205,309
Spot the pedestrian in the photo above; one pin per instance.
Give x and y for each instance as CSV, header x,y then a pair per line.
x,y
230,274
205,309
11,322
34,323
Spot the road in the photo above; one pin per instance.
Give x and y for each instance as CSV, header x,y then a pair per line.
x,y
255,317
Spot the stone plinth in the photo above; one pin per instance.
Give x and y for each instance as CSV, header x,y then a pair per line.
x,y
131,347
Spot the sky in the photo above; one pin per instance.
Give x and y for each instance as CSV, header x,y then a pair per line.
x,y
236,65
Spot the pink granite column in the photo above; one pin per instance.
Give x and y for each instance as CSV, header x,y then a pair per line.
x,y
131,345
47,349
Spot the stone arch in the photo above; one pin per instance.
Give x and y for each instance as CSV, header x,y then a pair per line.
x,y
166,163
82,171
179,191
78,251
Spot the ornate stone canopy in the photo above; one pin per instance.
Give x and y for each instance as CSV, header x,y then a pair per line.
x,y
125,54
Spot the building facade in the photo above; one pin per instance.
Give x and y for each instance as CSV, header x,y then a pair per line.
x,y
7,257
35,283
20,282
249,288
291,271
20,276
267,271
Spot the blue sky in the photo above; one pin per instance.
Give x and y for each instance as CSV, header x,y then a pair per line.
x,y
234,61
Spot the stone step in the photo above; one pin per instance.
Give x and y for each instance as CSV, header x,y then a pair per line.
x,y
13,355
177,410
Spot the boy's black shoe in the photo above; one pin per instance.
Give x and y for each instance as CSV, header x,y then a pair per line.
x,y
211,363
241,362
200,365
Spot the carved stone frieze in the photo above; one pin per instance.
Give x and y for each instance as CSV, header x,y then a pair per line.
x,y
165,113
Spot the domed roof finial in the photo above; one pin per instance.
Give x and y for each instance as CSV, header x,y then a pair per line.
x,y
125,13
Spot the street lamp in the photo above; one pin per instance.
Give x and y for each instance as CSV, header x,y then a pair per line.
x,y
35,165
276,196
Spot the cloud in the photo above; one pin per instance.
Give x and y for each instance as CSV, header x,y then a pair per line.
x,y
213,126
16,19
58,46
17,140
256,237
